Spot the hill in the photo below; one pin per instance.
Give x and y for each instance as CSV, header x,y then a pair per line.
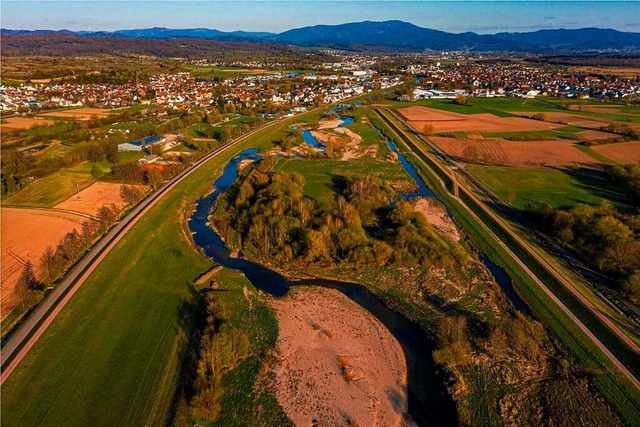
x,y
396,36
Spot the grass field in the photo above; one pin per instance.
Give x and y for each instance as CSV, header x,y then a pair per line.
x,y
320,175
130,156
223,72
112,355
52,189
559,188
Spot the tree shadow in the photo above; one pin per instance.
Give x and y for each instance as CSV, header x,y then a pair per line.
x,y
597,183
192,320
338,183
475,324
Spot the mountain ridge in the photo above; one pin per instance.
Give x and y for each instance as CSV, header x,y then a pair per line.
x,y
395,35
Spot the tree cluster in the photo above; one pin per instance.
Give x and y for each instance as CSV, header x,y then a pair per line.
x,y
268,215
628,177
607,239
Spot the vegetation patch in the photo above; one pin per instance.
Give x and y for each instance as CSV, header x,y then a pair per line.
x,y
521,187
231,386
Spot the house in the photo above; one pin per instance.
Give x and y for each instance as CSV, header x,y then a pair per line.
x,y
148,160
139,144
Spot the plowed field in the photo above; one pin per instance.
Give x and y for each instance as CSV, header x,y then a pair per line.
x,y
497,151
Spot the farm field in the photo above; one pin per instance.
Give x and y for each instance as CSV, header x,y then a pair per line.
x,y
95,196
497,151
623,153
25,234
52,189
84,113
607,109
558,188
447,121
12,123
570,119
595,135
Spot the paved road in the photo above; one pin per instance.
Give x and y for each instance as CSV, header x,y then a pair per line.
x,y
28,333
614,360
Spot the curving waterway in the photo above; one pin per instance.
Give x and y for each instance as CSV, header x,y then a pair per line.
x,y
429,402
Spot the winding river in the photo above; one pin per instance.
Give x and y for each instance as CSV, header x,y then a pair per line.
x,y
429,402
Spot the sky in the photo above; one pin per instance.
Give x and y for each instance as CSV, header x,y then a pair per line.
x,y
484,17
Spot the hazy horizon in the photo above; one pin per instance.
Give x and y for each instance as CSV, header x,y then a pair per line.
x,y
488,17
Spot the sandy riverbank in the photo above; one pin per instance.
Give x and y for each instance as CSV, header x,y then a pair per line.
x,y
336,362
437,216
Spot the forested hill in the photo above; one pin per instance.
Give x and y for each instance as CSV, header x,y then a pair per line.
x,y
384,36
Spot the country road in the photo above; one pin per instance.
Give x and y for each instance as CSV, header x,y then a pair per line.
x,y
30,331
596,341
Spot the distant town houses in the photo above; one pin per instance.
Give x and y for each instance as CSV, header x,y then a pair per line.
x,y
506,78
184,90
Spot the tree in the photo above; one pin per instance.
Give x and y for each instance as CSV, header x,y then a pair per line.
x,y
48,262
131,194
461,100
154,178
428,129
111,152
94,153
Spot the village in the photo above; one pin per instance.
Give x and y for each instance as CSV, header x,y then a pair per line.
x,y
270,92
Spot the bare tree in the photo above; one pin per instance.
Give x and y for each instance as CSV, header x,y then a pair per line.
x,y
48,262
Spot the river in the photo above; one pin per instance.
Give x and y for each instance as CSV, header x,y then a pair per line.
x,y
429,402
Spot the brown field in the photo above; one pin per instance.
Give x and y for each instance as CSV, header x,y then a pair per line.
x,y
616,71
12,123
624,152
606,109
570,119
95,196
85,113
497,151
446,121
594,135
25,235
335,361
